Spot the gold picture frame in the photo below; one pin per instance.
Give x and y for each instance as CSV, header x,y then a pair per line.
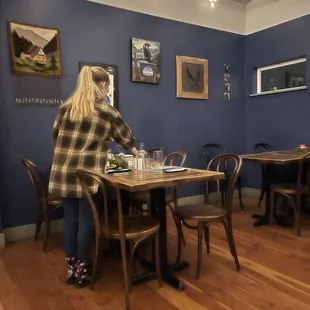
x,y
192,77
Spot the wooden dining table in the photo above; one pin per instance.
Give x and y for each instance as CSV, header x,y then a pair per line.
x,y
270,159
156,183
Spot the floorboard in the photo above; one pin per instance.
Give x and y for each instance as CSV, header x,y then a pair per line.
x,y
275,274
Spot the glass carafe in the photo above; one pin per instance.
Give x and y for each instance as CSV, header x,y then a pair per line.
x,y
141,161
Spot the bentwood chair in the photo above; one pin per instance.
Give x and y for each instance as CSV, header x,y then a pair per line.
x,y
258,148
293,192
142,198
47,204
136,229
217,149
207,214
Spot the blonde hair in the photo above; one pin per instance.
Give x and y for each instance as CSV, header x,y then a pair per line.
x,y
87,92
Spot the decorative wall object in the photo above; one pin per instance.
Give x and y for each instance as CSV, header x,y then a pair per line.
x,y
145,61
227,84
226,77
227,96
192,77
35,49
112,96
36,61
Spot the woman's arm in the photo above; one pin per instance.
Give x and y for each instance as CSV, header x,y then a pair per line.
x,y
57,123
56,127
122,134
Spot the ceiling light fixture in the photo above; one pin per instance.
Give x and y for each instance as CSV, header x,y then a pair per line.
x,y
212,3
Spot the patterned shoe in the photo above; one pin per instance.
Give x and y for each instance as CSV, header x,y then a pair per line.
x,y
82,275
72,266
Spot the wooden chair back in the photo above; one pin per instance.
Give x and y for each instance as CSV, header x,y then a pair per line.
x,y
219,163
103,181
37,182
174,157
263,147
210,150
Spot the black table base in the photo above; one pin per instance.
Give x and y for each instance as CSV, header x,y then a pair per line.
x,y
167,276
158,210
276,174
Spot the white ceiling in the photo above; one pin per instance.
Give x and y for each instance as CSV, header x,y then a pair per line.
x,y
237,16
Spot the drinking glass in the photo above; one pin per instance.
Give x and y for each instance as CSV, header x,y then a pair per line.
x,y
158,161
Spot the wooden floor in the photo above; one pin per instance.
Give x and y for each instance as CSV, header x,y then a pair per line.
x,y
275,274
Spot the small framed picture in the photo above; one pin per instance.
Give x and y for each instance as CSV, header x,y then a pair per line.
x,y
226,77
227,86
227,96
227,68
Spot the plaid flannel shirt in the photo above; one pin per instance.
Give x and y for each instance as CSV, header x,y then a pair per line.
x,y
84,145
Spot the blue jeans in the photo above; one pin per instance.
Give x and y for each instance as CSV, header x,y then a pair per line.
x,y
78,228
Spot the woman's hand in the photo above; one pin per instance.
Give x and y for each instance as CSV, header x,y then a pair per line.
x,y
134,152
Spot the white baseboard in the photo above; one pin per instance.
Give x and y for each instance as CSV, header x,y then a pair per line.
x,y
27,231
197,199
2,240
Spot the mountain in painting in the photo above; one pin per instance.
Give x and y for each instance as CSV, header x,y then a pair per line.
x,y
31,36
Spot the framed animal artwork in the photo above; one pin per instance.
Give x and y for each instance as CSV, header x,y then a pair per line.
x,y
145,60
112,96
192,77
35,50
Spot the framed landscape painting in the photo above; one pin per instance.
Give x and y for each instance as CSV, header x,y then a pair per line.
x,y
145,60
192,77
112,96
35,50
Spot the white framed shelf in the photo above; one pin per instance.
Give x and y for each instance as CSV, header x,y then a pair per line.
x,y
285,90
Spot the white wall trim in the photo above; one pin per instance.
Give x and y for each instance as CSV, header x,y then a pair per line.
x,y
27,231
2,240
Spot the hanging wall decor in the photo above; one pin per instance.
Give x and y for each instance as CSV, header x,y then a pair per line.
x,y
192,77
145,61
227,84
112,96
36,60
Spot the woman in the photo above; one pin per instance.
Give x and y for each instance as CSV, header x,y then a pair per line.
x,y
82,134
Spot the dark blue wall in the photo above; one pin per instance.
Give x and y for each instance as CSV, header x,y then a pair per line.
x,y
279,119
99,33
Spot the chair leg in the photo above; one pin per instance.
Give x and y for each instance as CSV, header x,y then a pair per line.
x,y
240,195
223,195
262,193
263,185
179,241
38,225
131,266
207,238
231,242
125,272
158,269
47,229
177,224
272,205
199,252
98,252
297,216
